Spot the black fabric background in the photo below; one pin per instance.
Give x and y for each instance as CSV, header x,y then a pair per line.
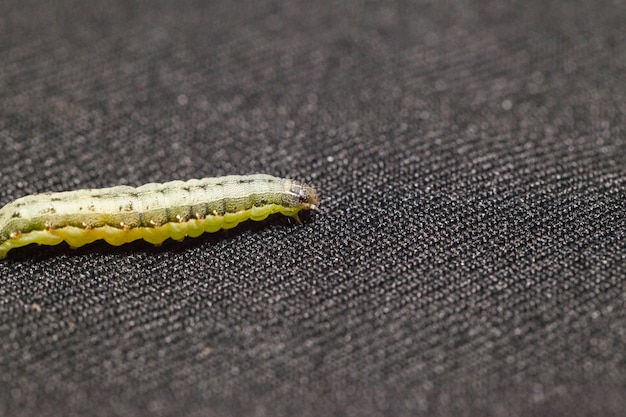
x,y
469,256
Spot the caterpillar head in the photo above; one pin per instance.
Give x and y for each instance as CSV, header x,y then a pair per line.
x,y
305,195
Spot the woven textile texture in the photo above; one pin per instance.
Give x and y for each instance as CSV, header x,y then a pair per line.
x,y
469,255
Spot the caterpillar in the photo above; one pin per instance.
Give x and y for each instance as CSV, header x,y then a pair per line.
x,y
152,212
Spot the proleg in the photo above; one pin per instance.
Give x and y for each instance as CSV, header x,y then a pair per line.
x,y
153,212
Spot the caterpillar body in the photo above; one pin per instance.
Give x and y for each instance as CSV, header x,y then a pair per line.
x,y
153,212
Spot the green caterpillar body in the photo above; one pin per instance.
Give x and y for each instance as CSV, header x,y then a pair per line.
x,y
153,212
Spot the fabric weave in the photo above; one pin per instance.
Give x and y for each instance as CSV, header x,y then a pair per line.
x,y
468,258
